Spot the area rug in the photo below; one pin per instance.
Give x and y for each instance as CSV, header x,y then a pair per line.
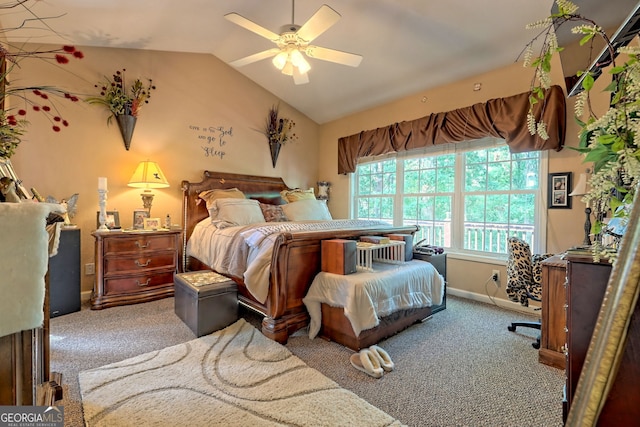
x,y
233,377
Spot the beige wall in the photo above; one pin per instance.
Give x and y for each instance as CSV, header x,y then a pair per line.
x,y
199,90
192,90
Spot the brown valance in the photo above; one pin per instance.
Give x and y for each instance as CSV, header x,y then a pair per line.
x,y
502,118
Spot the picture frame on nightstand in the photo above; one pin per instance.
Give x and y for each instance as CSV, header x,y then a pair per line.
x,y
139,215
112,220
151,223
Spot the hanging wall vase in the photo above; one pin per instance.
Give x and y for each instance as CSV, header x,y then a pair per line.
x,y
275,150
126,123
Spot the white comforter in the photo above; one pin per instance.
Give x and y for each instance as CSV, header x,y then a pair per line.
x,y
369,295
245,251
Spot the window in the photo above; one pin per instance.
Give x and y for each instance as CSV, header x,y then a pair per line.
x,y
470,200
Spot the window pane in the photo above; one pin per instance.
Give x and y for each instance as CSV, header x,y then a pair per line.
x,y
476,177
500,197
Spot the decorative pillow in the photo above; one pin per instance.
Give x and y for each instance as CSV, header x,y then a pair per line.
x,y
210,196
304,210
294,195
229,212
273,213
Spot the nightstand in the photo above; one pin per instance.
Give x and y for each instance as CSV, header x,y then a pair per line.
x,y
134,266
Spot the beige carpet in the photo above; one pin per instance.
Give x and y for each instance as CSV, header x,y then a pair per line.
x,y
235,376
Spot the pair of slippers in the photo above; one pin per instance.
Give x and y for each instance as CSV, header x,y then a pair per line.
x,y
373,361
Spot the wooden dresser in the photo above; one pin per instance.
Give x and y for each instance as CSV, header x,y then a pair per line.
x,y
553,335
134,267
586,285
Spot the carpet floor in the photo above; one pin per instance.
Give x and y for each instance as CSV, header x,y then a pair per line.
x,y
461,368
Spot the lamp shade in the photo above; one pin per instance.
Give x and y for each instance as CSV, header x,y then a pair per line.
x,y
148,175
581,187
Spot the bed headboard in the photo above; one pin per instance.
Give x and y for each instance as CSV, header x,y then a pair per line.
x,y
265,189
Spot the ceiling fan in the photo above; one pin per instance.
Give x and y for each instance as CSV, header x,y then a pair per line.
x,y
293,41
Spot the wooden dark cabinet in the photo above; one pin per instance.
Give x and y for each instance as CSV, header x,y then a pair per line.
x,y
553,336
586,285
133,267
64,275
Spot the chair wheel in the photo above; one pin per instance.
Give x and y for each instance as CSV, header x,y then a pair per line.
x,y
535,345
511,328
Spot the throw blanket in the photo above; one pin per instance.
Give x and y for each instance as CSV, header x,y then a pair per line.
x,y
245,251
369,295
24,259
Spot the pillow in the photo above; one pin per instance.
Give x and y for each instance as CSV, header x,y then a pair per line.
x,y
294,195
229,212
304,210
211,196
273,213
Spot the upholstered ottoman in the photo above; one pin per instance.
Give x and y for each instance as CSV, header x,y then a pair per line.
x,y
205,301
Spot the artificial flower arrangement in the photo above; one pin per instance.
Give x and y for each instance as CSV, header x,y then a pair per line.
x,y
278,129
38,99
612,141
120,99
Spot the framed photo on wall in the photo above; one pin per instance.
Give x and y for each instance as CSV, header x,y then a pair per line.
x,y
558,190
139,215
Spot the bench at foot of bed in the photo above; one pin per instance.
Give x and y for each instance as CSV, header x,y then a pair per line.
x,y
336,327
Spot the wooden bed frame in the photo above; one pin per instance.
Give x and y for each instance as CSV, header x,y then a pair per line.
x,y
295,260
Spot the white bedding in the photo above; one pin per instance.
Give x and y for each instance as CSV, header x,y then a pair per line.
x,y
245,251
367,296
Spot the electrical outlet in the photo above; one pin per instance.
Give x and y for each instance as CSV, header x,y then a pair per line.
x,y
89,269
495,276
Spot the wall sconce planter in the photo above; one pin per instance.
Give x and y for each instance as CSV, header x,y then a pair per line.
x,y
126,124
274,147
279,131
123,102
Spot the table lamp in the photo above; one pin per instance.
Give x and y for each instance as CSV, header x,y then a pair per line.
x,y
148,175
580,190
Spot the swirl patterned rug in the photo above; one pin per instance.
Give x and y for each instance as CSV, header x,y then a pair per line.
x,y
235,376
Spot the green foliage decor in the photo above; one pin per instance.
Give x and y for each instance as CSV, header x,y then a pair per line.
x,y
612,141
119,99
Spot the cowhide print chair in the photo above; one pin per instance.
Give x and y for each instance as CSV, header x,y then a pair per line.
x,y
524,279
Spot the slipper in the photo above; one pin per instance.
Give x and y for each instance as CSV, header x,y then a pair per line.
x,y
367,362
383,358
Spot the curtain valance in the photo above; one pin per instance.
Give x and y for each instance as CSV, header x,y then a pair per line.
x,y
502,118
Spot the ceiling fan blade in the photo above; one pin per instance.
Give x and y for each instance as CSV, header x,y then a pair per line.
x,y
255,57
333,55
320,22
252,26
298,78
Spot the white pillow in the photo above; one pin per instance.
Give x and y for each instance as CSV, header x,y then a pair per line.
x,y
304,210
230,212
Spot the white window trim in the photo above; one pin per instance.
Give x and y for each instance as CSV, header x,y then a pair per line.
x,y
541,214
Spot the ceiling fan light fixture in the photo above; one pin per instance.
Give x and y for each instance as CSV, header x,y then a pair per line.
x,y
288,69
298,61
280,60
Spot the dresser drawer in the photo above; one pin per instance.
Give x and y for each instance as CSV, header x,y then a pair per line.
x,y
140,242
138,263
137,283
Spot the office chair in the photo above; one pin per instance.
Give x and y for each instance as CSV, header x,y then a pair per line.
x,y
524,279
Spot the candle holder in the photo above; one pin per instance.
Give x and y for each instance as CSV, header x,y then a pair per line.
x,y
102,201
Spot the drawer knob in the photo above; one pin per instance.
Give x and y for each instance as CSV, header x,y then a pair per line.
x,y
142,246
145,283
139,264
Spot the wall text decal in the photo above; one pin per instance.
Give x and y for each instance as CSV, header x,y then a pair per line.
x,y
212,139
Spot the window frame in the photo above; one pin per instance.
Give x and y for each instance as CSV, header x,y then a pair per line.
x,y
540,211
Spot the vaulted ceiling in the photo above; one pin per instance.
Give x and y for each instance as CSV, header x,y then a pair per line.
x,y
407,45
